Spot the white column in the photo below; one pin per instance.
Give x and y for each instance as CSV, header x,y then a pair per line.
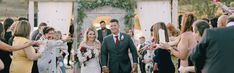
x,y
175,13
31,14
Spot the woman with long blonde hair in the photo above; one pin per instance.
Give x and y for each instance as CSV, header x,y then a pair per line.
x,y
89,51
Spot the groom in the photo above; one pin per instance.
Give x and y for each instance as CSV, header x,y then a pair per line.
x,y
114,51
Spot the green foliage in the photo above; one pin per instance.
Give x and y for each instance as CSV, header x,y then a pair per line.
x,y
127,5
203,7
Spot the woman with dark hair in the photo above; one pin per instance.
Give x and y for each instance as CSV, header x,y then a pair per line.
x,y
8,32
162,57
186,43
5,56
199,27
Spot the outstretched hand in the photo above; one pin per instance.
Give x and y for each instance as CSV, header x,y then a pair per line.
x,y
164,45
35,43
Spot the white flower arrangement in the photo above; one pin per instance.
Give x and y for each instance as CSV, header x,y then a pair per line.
x,y
122,38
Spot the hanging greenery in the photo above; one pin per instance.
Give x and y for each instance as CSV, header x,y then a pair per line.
x,y
127,5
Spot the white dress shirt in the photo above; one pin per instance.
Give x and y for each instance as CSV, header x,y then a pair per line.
x,y
230,24
116,35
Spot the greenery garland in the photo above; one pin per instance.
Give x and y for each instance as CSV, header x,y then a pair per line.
x,y
127,5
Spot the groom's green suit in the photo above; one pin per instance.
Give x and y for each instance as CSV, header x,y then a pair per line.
x,y
116,58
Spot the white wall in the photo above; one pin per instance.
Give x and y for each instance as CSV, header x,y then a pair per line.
x,y
55,14
151,12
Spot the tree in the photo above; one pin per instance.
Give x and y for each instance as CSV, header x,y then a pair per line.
x,y
203,7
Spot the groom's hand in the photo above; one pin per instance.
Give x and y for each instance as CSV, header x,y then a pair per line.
x,y
105,69
134,68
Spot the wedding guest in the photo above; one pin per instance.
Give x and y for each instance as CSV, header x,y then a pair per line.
x,y
8,32
172,32
141,52
70,42
12,27
26,56
199,27
89,51
216,53
103,31
162,59
186,43
4,55
60,52
36,35
47,62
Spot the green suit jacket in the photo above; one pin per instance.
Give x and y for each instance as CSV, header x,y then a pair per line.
x,y
100,37
116,58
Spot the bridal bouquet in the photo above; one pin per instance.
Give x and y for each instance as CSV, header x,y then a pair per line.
x,y
87,53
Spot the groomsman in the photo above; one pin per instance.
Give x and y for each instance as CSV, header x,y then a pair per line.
x,y
114,51
103,31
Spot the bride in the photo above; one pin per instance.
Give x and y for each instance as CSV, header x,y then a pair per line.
x,y
88,52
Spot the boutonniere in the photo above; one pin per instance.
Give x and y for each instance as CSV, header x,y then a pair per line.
x,y
122,38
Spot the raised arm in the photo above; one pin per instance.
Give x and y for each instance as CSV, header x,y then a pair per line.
x,y
182,51
6,47
175,42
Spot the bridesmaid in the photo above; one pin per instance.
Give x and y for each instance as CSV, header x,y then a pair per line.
x,y
26,56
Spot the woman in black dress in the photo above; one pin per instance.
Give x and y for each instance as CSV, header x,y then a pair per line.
x,y
162,58
4,55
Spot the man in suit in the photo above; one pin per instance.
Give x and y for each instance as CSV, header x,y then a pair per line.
x,y
103,31
216,50
114,51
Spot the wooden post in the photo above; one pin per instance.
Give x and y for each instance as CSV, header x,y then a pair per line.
x,y
175,13
31,14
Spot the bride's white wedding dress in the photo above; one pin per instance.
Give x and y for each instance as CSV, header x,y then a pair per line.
x,y
92,65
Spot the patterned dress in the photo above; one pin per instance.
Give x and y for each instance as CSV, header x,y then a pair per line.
x,y
47,62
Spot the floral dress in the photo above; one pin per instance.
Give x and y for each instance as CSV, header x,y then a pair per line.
x,y
47,62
